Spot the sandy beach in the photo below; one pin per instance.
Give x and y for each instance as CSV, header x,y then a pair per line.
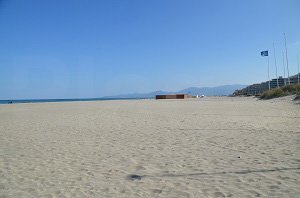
x,y
210,147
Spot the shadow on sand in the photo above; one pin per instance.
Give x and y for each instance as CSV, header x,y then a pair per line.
x,y
139,177
231,172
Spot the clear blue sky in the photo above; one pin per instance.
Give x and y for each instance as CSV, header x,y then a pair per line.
x,y
67,49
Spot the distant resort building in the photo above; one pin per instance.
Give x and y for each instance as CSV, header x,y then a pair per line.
x,y
294,79
173,96
257,89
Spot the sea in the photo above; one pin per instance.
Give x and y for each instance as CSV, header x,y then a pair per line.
x,y
62,100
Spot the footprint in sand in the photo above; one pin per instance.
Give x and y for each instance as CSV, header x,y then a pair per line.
x,y
134,177
158,191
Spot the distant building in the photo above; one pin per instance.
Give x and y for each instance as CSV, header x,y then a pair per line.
x,y
259,88
294,79
173,96
281,82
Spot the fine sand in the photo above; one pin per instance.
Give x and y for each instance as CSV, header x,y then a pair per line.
x,y
209,147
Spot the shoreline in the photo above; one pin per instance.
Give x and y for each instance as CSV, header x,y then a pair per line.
x,y
22,101
286,99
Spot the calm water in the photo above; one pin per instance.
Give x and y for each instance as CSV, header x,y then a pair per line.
x,y
61,100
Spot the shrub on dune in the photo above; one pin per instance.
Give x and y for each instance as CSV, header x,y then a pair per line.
x,y
282,91
291,89
273,93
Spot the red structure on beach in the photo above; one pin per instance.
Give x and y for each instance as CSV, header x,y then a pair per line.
x,y
173,96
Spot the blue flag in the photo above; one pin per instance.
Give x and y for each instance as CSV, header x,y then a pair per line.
x,y
264,53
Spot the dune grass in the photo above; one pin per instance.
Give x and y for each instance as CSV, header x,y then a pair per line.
x,y
282,91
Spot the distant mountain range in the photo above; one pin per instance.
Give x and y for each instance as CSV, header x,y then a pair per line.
x,y
207,91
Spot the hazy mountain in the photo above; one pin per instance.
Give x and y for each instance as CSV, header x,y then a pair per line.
x,y
212,91
207,91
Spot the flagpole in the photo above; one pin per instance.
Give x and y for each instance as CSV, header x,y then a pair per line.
x,y
266,53
283,68
298,69
287,60
275,64
269,71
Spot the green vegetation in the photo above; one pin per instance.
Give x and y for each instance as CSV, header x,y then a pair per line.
x,y
282,91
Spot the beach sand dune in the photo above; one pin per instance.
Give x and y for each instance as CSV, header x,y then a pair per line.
x,y
212,147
